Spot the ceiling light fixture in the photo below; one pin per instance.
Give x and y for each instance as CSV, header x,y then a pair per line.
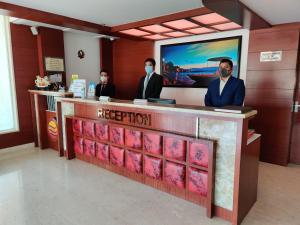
x,y
210,18
181,24
156,28
135,32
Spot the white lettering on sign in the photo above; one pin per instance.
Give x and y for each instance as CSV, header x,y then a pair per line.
x,y
270,56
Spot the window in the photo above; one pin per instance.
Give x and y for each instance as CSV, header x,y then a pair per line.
x,y
8,107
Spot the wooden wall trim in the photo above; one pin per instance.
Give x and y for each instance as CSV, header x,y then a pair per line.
x,y
40,55
128,65
106,56
50,43
60,129
34,119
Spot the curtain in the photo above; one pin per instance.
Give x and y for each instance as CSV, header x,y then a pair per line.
x,y
8,107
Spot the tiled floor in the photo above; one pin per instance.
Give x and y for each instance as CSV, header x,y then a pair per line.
x,y
39,188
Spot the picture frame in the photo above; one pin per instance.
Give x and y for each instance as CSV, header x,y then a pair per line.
x,y
195,64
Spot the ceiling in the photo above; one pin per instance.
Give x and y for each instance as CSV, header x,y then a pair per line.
x,y
112,13
38,24
205,23
276,11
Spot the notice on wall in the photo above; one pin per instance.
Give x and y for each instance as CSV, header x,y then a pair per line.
x,y
54,64
55,78
271,56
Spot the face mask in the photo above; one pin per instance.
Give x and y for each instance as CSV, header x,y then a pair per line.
x,y
224,73
148,69
103,79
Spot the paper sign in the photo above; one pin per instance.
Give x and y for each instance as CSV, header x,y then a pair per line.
x,y
78,87
54,64
270,56
104,99
55,78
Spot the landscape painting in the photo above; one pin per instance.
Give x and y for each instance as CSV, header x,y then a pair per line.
x,y
196,64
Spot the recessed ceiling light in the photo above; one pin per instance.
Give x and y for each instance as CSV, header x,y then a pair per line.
x,y
200,30
155,37
135,32
210,18
156,28
177,34
181,24
227,26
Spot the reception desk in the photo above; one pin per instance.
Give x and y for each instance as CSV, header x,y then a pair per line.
x,y
43,111
191,152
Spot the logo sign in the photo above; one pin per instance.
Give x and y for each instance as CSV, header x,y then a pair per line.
x,y
52,129
270,56
135,118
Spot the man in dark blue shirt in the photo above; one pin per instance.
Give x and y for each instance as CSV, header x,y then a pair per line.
x,y
226,90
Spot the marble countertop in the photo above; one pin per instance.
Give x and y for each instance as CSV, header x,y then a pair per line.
x,y
201,110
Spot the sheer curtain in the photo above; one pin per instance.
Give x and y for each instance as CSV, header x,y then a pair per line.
x,y
8,107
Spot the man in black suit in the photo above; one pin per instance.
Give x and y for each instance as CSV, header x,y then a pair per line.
x,y
104,88
150,85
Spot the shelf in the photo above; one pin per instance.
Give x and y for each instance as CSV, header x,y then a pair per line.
x,y
253,138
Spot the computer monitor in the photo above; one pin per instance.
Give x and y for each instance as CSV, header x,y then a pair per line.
x,y
162,100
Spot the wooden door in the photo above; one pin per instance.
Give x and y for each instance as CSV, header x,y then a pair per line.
x,y
270,88
295,137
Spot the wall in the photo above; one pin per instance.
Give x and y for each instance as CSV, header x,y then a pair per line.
x,y
50,43
295,141
129,59
106,56
24,49
195,96
270,89
128,65
87,68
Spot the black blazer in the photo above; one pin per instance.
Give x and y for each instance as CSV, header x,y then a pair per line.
x,y
153,89
108,90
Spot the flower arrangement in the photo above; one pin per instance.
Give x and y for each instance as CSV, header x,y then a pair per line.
x,y
42,82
